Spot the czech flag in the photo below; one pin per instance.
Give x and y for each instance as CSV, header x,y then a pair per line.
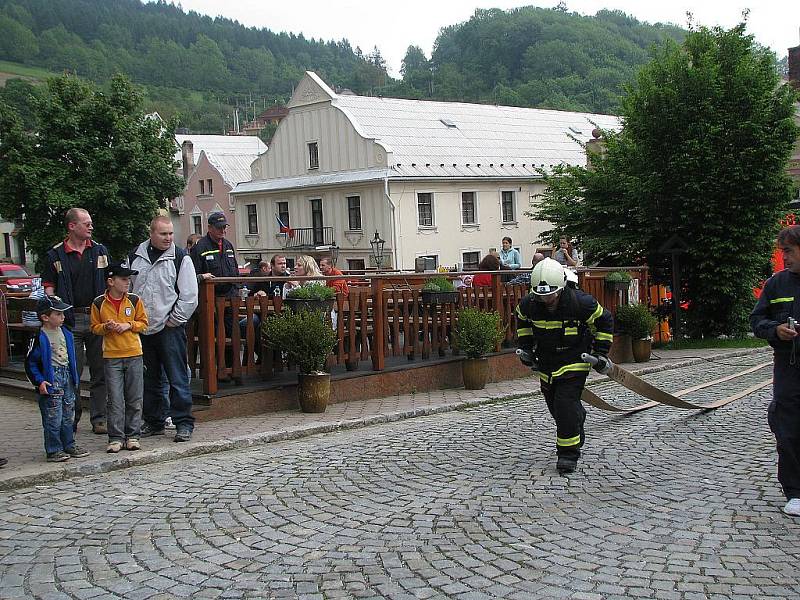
x,y
283,228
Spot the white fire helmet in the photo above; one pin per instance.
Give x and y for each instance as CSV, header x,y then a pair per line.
x,y
548,277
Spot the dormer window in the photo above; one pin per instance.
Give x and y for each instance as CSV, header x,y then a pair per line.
x,y
313,155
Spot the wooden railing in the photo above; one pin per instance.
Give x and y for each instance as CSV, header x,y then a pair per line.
x,y
383,316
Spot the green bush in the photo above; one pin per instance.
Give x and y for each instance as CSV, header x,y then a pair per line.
x,y
306,337
636,320
478,332
618,277
312,292
439,284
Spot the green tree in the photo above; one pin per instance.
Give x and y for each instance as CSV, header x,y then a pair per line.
x,y
17,42
90,148
703,154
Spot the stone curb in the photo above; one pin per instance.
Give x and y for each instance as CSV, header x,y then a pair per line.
x,y
185,450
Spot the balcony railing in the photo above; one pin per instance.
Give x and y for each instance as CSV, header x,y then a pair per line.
x,y
309,237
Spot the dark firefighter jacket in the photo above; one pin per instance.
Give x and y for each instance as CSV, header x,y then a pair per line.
x,y
779,301
579,324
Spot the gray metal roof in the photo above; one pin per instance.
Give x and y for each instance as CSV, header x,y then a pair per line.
x,y
305,181
221,144
455,139
234,168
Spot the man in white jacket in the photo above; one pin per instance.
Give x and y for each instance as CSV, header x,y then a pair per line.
x,y
167,284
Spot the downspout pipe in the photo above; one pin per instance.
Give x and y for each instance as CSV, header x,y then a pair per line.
x,y
395,235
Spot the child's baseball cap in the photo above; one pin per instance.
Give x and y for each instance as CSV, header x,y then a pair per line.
x,y
119,270
50,303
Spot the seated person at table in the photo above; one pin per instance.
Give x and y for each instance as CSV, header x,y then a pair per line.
x,y
327,268
305,266
490,262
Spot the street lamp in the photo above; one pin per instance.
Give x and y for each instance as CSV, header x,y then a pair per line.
x,y
377,249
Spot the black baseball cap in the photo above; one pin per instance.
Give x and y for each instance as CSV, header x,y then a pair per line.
x,y
218,220
119,270
50,303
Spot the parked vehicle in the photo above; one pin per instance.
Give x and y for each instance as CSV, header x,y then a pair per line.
x,y
19,280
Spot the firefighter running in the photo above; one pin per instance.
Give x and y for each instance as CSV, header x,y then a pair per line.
x,y
555,325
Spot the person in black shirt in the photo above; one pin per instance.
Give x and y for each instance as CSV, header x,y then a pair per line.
x,y
74,270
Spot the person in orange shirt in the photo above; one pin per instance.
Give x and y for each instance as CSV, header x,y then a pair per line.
x,y
327,268
119,317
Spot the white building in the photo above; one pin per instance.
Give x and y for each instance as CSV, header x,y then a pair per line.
x,y
440,180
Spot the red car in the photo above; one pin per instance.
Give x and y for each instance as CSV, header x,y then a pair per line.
x,y
19,280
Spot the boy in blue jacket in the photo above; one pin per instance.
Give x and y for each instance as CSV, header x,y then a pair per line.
x,y
51,367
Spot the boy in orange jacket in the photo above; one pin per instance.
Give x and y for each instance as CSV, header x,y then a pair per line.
x,y
120,317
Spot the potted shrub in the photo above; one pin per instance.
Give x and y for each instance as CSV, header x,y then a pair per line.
x,y
307,338
618,280
638,322
477,333
439,290
311,297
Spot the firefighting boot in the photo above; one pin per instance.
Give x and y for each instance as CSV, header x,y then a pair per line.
x,y
566,464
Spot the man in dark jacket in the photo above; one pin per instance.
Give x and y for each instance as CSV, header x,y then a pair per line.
x,y
770,320
74,270
554,327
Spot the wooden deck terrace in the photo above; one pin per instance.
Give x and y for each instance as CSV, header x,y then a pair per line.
x,y
382,318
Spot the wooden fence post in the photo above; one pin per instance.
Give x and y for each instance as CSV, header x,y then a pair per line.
x,y
378,356
208,362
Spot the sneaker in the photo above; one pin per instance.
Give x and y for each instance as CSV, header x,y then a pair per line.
x,y
792,507
566,465
76,452
168,424
99,428
183,435
114,447
148,430
132,444
57,456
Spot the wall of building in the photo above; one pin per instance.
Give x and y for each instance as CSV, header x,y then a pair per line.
x,y
353,244
340,147
196,204
449,238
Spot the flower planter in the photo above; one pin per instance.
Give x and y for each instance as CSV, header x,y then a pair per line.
x,y
313,391
475,372
621,351
301,304
641,349
430,297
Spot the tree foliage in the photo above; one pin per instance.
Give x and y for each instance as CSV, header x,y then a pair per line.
x,y
90,148
703,153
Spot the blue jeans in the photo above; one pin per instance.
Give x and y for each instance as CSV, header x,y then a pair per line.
x,y
58,412
165,353
124,408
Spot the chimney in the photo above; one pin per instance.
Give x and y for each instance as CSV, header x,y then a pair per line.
x,y
187,157
794,67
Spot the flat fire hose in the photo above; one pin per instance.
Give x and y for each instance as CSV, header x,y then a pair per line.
x,y
658,396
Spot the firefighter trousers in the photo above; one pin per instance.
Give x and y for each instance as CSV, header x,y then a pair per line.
x,y
563,397
784,421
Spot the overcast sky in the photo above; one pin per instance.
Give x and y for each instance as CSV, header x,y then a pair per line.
x,y
393,26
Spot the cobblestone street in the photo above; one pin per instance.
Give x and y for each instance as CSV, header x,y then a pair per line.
x,y
666,504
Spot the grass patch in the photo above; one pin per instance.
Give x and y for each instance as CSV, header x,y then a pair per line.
x,y
748,342
12,68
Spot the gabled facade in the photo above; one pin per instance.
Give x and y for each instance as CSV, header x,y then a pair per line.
x,y
445,181
211,165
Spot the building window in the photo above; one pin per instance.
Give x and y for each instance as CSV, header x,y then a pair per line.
x,y
197,224
508,207
313,155
202,187
428,262
354,213
283,213
471,260
425,209
355,264
7,241
468,208
210,187
252,219
317,222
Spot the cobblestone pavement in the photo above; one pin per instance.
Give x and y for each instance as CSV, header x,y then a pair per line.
x,y
667,504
